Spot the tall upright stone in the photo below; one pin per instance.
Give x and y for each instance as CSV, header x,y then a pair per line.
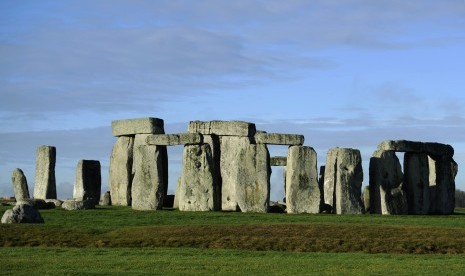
x,y
253,179
416,177
387,195
88,183
20,185
148,188
120,178
343,180
45,183
443,172
302,191
198,191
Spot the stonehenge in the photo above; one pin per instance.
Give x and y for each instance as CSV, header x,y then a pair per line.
x,y
87,185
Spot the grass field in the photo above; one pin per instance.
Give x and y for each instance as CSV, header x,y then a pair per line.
x,y
120,240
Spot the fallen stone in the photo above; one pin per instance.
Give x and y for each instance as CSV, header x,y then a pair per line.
x,y
45,184
279,139
223,128
417,147
75,204
343,180
37,203
175,139
278,161
137,126
148,186
302,191
55,202
416,181
198,183
88,181
22,213
20,184
120,178
387,194
106,200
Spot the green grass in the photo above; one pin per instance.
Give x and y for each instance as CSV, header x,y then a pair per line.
x,y
120,240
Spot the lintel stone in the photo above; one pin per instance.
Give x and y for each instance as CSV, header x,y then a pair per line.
x,y
137,126
417,147
224,128
279,139
278,161
175,139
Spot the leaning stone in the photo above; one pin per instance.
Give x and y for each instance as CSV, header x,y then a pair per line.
x,y
416,177
37,203
22,213
137,126
174,139
148,188
253,179
278,161
120,179
279,139
75,204
343,180
417,147
88,181
45,185
302,191
223,128
106,200
387,194
198,183
20,184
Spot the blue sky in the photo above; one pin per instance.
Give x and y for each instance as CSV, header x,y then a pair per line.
x,y
347,73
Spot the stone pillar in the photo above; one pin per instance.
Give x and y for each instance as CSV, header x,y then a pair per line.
x,y
88,181
120,179
387,196
321,185
45,184
253,179
416,179
20,185
198,183
343,181
148,188
443,188
302,191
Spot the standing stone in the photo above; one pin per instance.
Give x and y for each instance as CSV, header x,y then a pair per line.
x,y
88,181
230,165
416,177
106,200
321,187
253,179
45,185
343,181
366,198
387,194
20,185
120,179
198,184
148,189
443,188
177,194
302,191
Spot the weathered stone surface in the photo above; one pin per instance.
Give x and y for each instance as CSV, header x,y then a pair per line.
x,y
223,128
120,179
76,204
45,184
174,139
302,191
20,184
22,213
366,198
417,147
148,187
106,200
88,181
442,189
343,181
230,164
278,161
198,183
387,194
38,203
137,126
416,181
279,139
253,179
176,194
